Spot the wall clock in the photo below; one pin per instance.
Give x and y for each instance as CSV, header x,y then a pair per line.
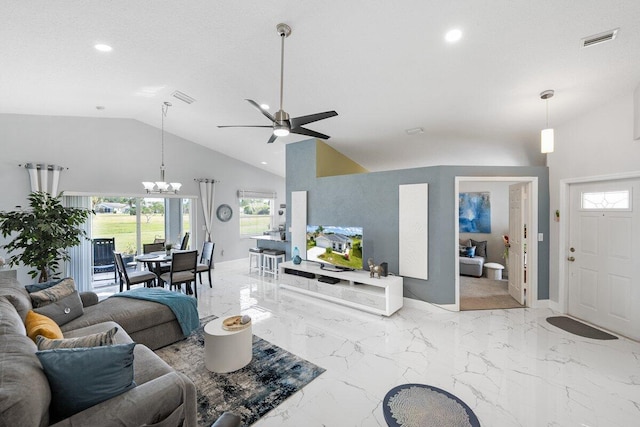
x,y
224,213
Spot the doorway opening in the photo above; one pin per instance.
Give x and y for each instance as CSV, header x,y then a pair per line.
x,y
504,273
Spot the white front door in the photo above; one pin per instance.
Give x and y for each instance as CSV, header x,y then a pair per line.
x,y
604,231
517,240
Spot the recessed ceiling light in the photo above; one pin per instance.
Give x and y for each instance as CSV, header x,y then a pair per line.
x,y
414,131
264,106
103,47
263,163
453,35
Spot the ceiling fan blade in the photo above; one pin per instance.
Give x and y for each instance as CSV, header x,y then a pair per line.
x,y
309,132
257,106
272,139
303,120
247,126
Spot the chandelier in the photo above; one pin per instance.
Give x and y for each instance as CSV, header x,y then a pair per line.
x,y
162,186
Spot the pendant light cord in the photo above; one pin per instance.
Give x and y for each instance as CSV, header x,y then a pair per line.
x,y
165,108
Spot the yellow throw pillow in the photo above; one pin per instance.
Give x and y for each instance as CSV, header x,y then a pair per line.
x,y
37,324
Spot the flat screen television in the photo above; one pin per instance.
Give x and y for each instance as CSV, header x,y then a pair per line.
x,y
335,247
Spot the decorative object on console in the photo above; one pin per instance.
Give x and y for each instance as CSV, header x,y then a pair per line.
x,y
296,256
162,186
474,212
374,269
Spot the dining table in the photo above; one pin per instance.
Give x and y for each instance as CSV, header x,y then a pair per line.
x,y
154,261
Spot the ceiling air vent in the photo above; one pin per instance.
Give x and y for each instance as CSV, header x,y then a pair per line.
x,y
599,38
183,97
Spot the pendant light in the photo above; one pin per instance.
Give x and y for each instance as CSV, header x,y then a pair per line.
x,y
546,135
162,186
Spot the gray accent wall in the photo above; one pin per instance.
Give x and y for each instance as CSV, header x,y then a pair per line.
x,y
370,200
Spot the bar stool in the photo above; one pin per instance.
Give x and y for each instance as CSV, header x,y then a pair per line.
x,y
255,254
270,260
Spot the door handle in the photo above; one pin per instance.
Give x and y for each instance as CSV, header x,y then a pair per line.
x,y
571,259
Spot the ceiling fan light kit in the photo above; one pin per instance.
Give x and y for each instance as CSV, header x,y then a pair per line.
x,y
282,124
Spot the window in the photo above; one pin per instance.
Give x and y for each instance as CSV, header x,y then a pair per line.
x,y
606,200
255,212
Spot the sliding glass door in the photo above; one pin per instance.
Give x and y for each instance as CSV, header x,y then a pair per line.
x,y
124,224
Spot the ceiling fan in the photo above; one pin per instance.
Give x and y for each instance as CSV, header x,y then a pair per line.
x,y
282,124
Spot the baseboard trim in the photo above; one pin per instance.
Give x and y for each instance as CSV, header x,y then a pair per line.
x,y
422,305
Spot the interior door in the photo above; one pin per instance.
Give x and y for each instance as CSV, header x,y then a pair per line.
x,y
517,240
604,230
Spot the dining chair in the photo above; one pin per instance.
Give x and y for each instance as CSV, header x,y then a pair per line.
x,y
103,255
147,248
183,270
206,261
158,240
185,242
133,278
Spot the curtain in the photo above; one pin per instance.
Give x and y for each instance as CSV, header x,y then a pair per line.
x,y
80,266
41,183
207,194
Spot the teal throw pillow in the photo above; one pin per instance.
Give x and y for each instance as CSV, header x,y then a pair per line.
x,y
82,377
41,286
470,252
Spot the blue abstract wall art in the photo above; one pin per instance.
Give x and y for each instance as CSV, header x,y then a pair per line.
x,y
475,212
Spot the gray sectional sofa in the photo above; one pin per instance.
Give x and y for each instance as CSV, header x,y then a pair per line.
x,y
161,396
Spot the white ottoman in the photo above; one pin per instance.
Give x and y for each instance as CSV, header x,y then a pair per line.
x,y
226,351
494,270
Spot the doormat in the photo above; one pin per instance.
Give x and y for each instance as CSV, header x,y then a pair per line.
x,y
269,379
578,328
410,405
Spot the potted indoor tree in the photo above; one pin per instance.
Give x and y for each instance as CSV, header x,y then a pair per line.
x,y
43,233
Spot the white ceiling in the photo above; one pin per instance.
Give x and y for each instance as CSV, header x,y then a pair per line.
x,y
382,65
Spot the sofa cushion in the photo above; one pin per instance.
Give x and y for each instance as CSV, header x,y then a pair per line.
x,y
10,321
24,390
470,252
82,377
54,293
132,314
37,324
64,310
91,340
17,295
481,247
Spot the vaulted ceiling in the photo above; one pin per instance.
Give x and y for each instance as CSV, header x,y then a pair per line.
x,y
384,66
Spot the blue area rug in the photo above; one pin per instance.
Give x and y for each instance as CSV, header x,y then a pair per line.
x,y
413,405
272,376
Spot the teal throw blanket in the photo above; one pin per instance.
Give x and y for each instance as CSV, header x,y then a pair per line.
x,y
184,307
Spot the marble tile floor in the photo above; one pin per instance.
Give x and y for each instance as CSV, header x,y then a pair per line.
x,y
510,366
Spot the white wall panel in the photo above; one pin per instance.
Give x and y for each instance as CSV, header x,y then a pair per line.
x,y
413,224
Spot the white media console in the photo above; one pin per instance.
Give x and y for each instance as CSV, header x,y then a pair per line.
x,y
354,289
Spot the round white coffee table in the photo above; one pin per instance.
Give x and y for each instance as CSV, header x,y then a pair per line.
x,y
494,270
226,351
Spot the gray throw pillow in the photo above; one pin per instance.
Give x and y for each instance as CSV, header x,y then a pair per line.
x,y
83,377
481,248
92,340
54,293
64,310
